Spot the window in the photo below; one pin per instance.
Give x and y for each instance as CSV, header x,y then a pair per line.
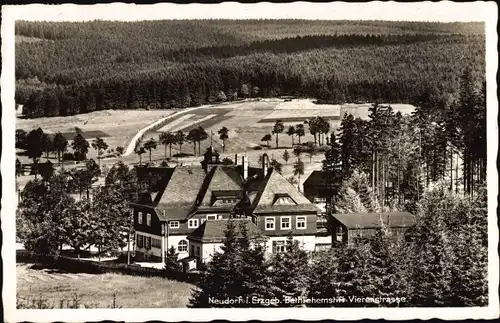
x,y
148,219
211,216
140,243
174,225
340,232
279,246
193,223
182,246
198,251
301,222
191,251
285,223
148,242
139,218
269,223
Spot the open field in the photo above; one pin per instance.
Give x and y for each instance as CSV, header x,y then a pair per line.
x,y
98,290
119,125
244,119
249,121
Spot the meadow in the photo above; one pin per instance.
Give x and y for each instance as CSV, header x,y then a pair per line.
x,y
98,290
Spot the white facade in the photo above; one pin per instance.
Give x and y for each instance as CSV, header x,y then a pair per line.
x,y
174,241
308,243
167,241
206,250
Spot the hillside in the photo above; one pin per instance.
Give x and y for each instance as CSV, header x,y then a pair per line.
x,y
70,68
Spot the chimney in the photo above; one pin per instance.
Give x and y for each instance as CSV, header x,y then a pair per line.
x,y
265,164
244,162
236,159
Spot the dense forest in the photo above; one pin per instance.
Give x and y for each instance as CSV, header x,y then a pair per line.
x,y
70,68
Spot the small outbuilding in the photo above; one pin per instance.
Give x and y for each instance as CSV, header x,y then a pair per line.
x,y
349,227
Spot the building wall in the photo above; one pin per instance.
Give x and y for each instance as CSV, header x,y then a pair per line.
x,y
208,250
308,243
156,251
311,219
184,224
323,242
154,228
153,252
370,232
174,241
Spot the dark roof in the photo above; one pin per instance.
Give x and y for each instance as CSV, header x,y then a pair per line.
x,y
372,220
175,200
317,178
276,184
213,230
223,179
179,211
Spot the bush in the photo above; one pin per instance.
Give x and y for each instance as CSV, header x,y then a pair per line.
x,y
257,148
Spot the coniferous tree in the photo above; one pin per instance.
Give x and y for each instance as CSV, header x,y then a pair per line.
x,y
139,150
81,147
193,136
291,132
149,146
253,267
266,138
60,145
300,131
171,262
277,129
46,145
99,146
289,273
223,135
385,267
298,170
34,147
179,139
221,279
286,156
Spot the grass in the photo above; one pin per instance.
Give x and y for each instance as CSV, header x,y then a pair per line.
x,y
98,290
244,119
119,125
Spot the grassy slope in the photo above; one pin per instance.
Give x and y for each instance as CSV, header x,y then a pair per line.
x,y
131,291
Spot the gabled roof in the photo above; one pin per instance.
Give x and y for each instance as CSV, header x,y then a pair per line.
x,y
214,230
179,194
372,220
276,184
222,179
317,178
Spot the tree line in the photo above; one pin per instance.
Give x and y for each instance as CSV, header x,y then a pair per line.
x,y
443,140
440,262
301,43
49,217
55,79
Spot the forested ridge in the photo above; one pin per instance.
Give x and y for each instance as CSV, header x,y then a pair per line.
x,y
72,68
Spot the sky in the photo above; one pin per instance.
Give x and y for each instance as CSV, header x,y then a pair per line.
x,y
445,11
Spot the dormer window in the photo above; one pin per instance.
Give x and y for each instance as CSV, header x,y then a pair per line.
x,y
283,199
